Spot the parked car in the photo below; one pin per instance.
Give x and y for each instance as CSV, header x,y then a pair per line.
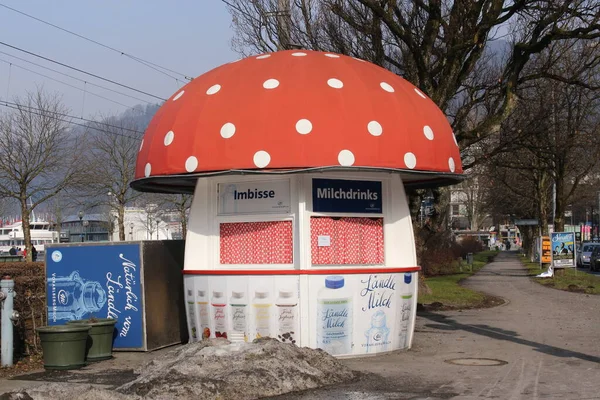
x,y
595,259
583,257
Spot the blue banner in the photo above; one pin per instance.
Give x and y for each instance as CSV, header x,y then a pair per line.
x,y
101,281
340,195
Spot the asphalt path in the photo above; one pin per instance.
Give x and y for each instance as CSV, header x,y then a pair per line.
x,y
543,343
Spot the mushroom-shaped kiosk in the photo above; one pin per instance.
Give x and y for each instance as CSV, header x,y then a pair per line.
x,y
299,227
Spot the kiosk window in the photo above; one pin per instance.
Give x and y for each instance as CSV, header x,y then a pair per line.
x,y
256,242
346,240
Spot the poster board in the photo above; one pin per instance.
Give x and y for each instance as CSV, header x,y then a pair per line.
x,y
563,249
546,250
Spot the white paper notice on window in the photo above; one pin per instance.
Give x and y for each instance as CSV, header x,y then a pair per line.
x,y
324,241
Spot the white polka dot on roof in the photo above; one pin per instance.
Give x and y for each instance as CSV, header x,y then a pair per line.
x,y
178,95
213,89
299,54
335,83
263,56
261,159
454,137
141,145
191,164
331,55
387,87
303,126
374,128
410,160
346,158
227,130
417,91
451,164
358,59
169,138
147,170
428,132
270,83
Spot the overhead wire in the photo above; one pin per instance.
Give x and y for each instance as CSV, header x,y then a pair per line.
x,y
81,71
67,84
77,124
38,111
148,64
73,77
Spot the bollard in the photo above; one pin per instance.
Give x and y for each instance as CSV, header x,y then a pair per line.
x,y
7,286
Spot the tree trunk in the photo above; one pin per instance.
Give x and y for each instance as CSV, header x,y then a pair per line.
x,y
25,227
121,222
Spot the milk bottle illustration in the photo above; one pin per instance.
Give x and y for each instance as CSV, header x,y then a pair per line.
x,y
334,317
238,305
377,335
203,313
73,297
287,315
219,307
191,311
405,310
262,314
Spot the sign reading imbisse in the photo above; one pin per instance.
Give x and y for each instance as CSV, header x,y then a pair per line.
x,y
341,195
266,197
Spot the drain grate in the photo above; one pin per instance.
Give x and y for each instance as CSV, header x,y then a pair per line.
x,y
476,362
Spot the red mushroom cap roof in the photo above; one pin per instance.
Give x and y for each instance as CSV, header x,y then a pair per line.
x,y
293,111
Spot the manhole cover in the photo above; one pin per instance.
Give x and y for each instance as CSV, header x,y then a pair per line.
x,y
476,362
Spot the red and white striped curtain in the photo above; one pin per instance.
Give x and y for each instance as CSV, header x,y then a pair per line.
x,y
355,241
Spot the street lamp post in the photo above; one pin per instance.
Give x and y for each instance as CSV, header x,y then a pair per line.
x,y
81,223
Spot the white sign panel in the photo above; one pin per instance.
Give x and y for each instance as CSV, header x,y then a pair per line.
x,y
324,241
265,197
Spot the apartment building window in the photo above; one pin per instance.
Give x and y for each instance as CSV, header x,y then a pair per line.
x,y
455,210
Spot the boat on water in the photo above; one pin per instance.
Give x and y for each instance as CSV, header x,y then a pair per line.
x,y
42,233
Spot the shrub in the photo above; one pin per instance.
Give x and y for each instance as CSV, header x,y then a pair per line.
x,y
29,301
435,252
469,244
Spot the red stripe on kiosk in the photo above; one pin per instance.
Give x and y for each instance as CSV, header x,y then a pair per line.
x,y
300,272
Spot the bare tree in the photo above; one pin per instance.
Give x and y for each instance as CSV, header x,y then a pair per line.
x,y
39,156
115,144
444,47
179,204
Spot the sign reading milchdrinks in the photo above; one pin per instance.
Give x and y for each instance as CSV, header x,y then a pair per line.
x,y
341,195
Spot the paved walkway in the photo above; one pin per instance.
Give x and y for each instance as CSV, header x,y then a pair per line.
x,y
549,339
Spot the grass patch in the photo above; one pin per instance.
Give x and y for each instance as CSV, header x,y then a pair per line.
x,y
571,280
446,289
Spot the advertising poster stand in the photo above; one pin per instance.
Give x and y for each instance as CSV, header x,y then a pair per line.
x,y
138,283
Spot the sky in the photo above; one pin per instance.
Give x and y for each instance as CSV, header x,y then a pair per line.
x,y
187,36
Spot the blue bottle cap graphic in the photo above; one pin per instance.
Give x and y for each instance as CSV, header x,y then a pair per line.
x,y
407,278
334,282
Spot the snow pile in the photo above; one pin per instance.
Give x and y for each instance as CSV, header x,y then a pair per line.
x,y
211,369
216,369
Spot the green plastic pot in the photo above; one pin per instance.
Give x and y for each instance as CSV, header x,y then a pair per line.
x,y
101,336
64,345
